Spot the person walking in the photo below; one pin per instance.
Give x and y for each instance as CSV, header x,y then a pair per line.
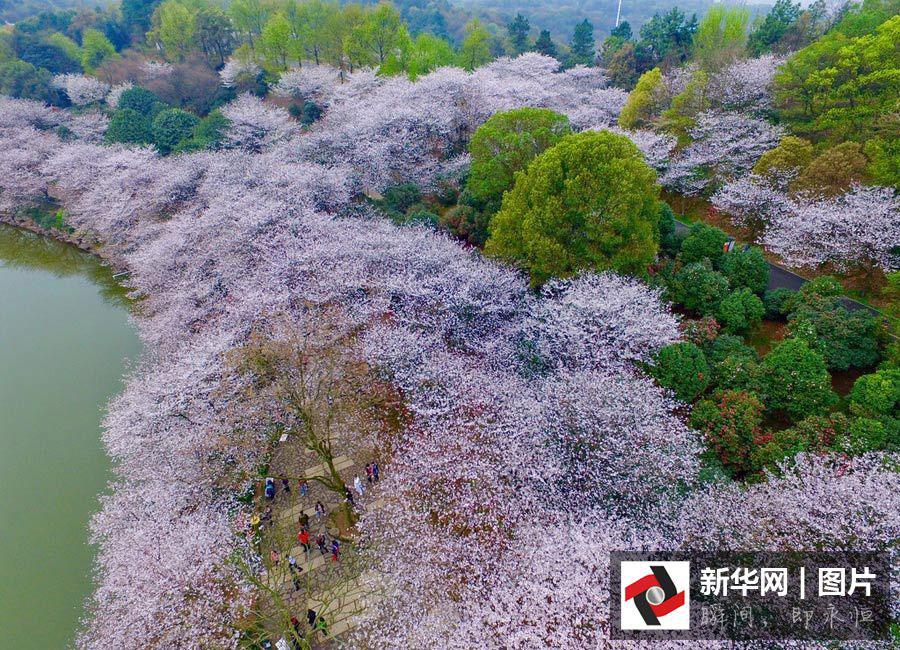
x,y
304,487
335,550
369,473
357,485
303,538
349,496
304,520
320,510
285,485
321,542
375,471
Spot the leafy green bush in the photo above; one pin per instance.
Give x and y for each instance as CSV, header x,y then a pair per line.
x,y
682,368
871,434
730,423
813,434
140,100
876,394
794,379
846,339
777,303
703,242
172,126
698,288
670,239
402,197
746,269
129,126
740,310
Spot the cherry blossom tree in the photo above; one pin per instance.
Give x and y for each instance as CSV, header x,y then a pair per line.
x,y
752,203
236,68
81,89
745,85
254,125
115,93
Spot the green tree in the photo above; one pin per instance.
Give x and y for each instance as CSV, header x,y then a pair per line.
x,y
681,116
645,102
583,50
174,28
740,310
846,339
95,49
136,13
746,269
278,43
666,39
789,158
23,81
884,161
214,34
141,100
817,433
170,127
476,49
590,202
876,394
833,171
796,380
249,17
621,66
424,54
545,45
682,368
698,288
506,144
703,242
842,88
731,423
130,127
381,34
767,34
721,36
517,31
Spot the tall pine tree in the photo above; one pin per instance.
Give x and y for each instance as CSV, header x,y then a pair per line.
x,y
518,34
545,45
583,46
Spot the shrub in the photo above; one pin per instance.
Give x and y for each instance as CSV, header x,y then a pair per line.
x,y
467,223
590,202
870,434
700,332
876,394
644,102
737,372
419,214
402,197
23,81
703,242
776,303
833,171
814,434
506,144
846,339
789,158
682,368
730,423
698,288
795,380
740,310
670,239
171,127
129,126
746,269
140,100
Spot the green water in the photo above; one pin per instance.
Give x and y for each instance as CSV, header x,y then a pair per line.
x,y
65,342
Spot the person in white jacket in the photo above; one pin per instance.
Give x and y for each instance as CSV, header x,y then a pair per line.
x,y
357,485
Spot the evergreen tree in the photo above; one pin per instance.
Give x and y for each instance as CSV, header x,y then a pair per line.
x,y
582,52
545,45
518,34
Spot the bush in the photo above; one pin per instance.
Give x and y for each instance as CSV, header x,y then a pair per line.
x,y
740,310
590,202
846,339
833,171
730,423
746,269
670,239
506,144
208,133
130,127
698,288
682,368
816,433
776,303
402,197
140,100
22,80
876,394
791,156
171,127
467,223
870,434
703,242
795,380
737,372
419,214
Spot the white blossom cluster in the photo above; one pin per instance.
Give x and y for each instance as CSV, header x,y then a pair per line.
x,y
81,89
236,68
